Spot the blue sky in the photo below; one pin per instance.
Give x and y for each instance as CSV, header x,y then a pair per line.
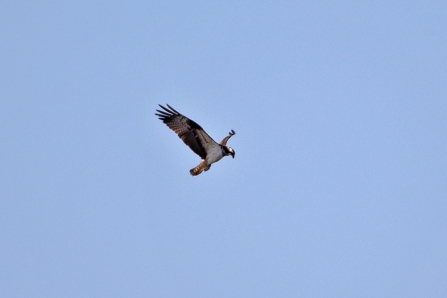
x,y
338,188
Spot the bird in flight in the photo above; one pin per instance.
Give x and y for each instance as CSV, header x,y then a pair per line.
x,y
193,135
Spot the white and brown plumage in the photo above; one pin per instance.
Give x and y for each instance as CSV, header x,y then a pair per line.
x,y
196,138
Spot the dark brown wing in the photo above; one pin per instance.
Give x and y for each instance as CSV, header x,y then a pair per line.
x,y
189,131
225,140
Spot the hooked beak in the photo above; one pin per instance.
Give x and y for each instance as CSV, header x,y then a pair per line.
x,y
233,154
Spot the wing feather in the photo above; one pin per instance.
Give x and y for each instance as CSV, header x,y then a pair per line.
x,y
191,133
225,140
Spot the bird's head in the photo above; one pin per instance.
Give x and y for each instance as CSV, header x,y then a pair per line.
x,y
230,151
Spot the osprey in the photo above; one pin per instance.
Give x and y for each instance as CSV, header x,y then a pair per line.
x,y
196,138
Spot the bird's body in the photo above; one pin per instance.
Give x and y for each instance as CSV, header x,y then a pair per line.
x,y
196,138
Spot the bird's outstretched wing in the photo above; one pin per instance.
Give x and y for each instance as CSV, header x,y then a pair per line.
x,y
191,133
225,140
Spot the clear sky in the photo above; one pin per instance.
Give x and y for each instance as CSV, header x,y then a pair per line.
x,y
338,187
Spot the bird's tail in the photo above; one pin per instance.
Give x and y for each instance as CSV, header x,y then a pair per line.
x,y
199,169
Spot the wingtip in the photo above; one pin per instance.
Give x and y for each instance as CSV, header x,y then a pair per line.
x,y
172,109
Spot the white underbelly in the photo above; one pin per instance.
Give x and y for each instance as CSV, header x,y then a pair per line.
x,y
214,156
